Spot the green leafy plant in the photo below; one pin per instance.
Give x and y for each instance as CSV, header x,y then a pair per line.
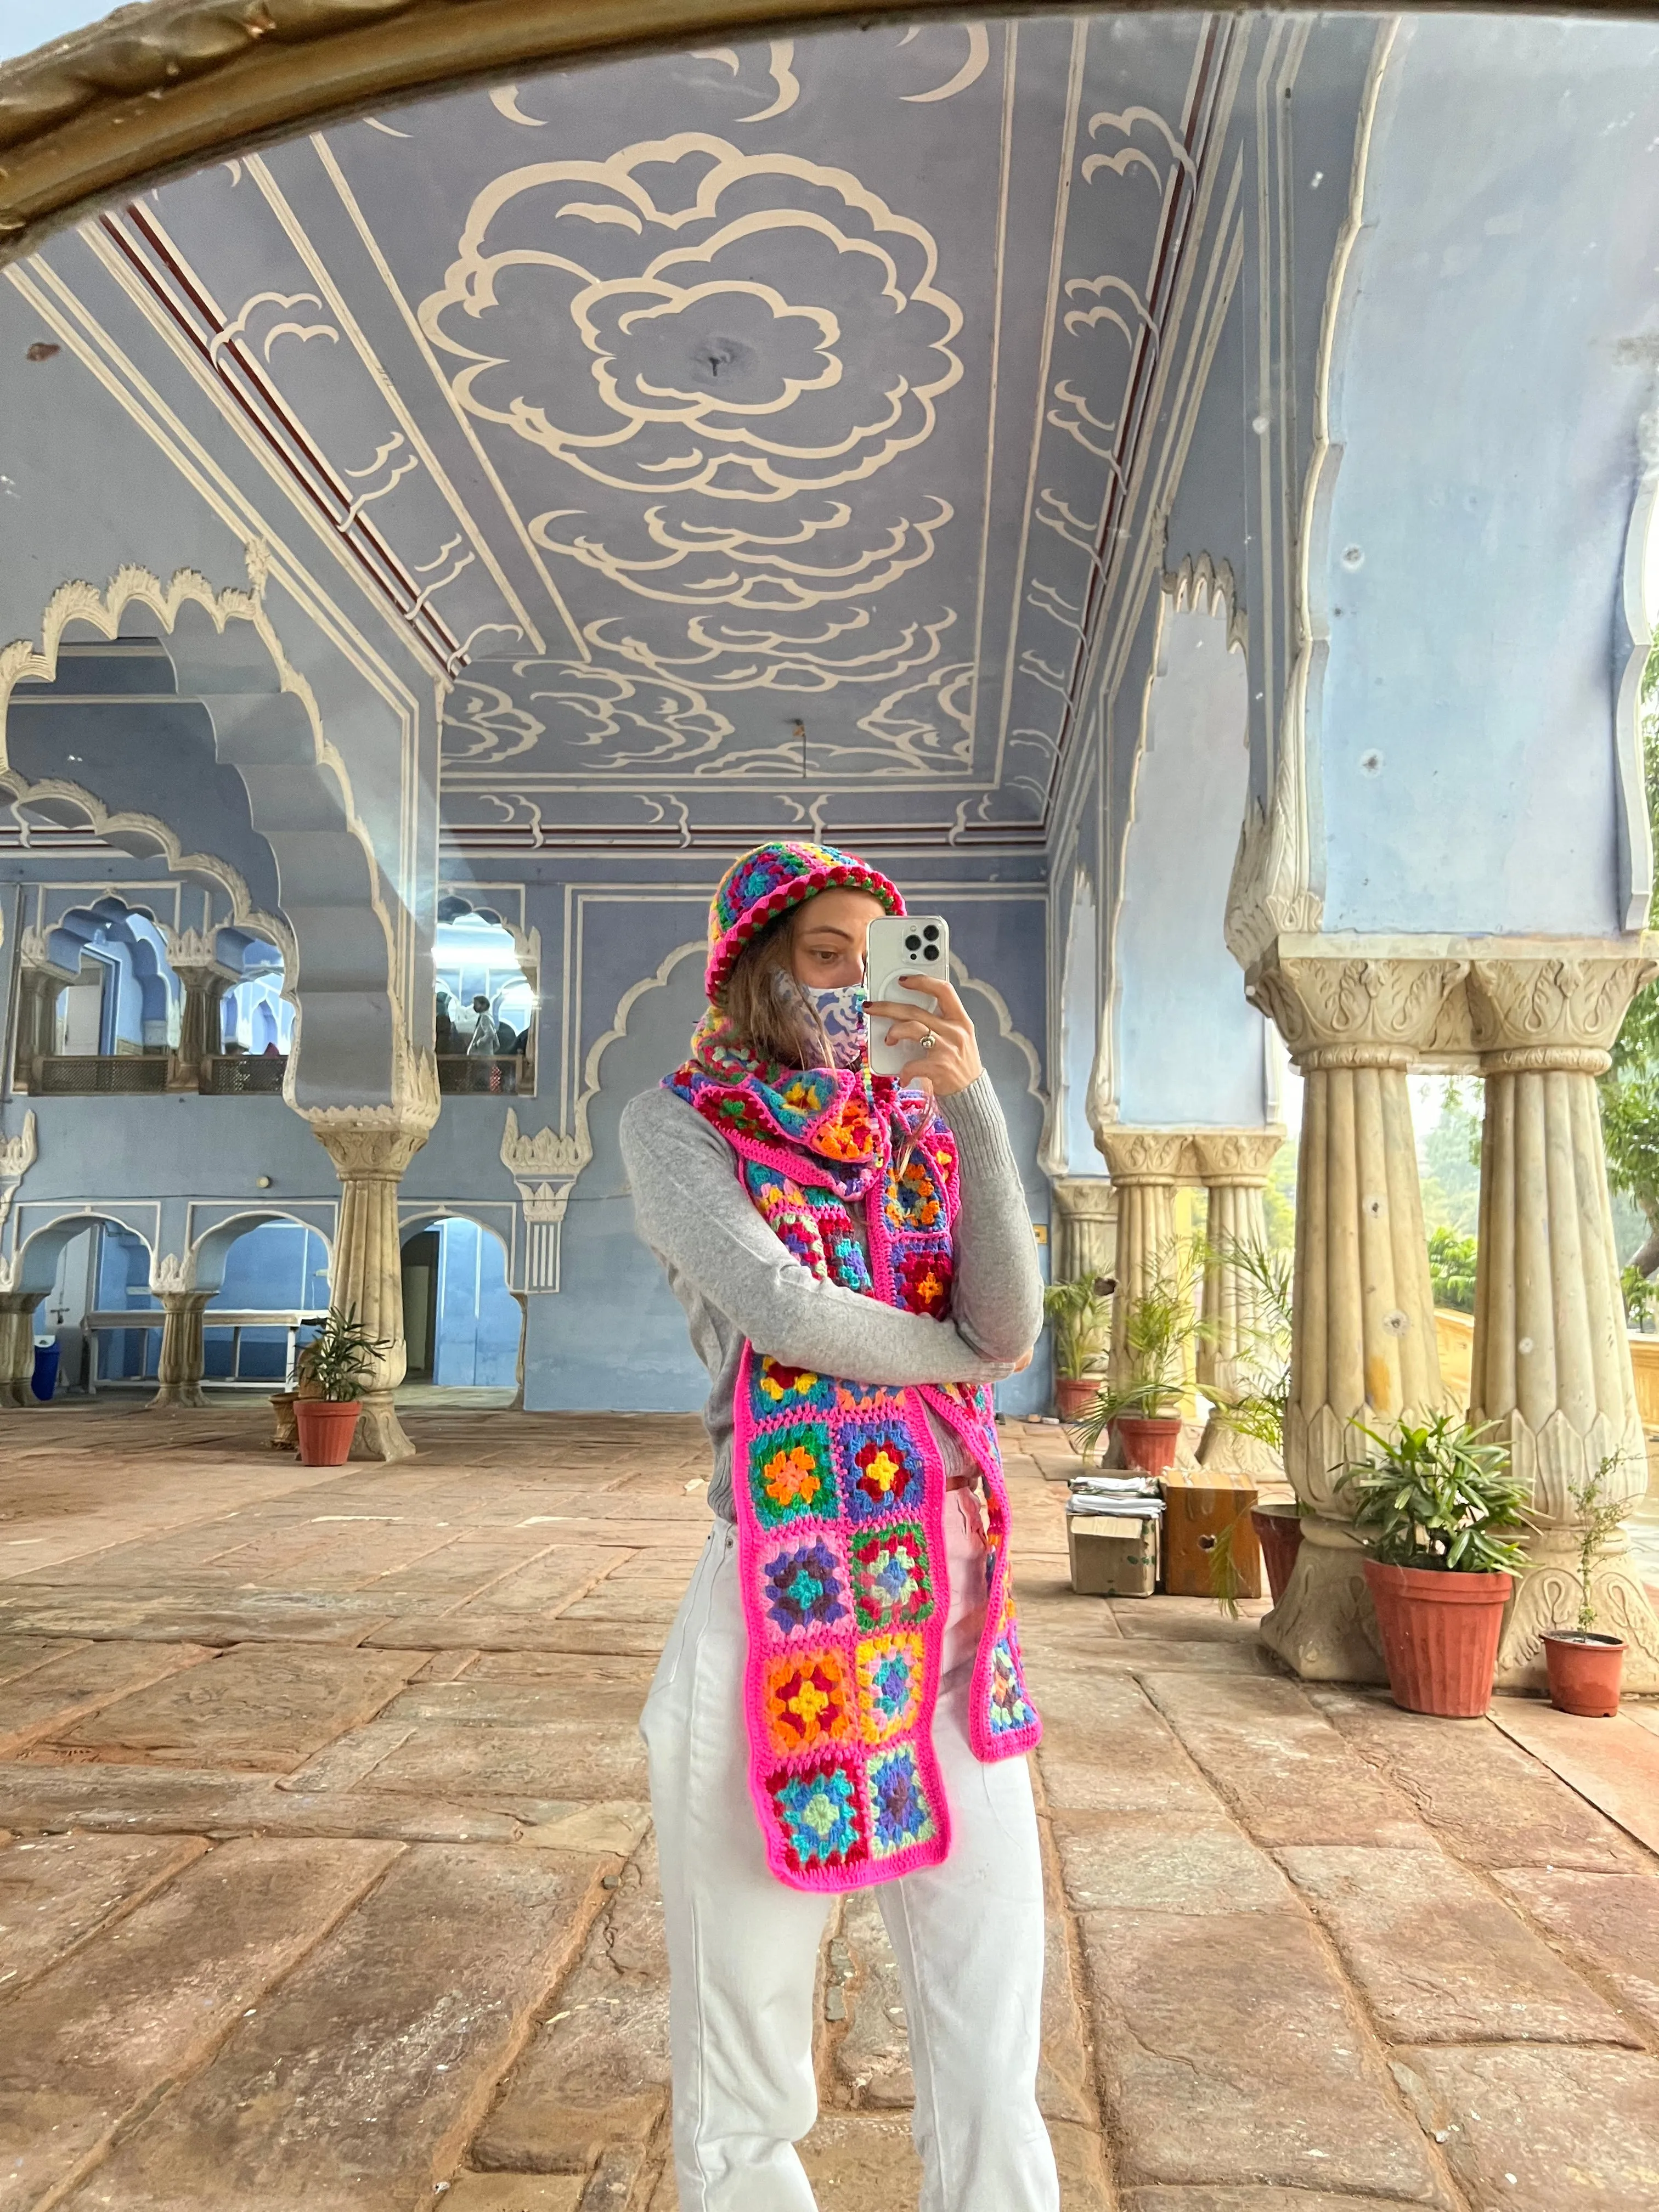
x,y
1451,1269
1158,1325
1263,1362
1640,1298
340,1360
1600,1516
1079,1317
1440,1495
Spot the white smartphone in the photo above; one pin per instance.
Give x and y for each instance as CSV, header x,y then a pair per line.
x,y
898,946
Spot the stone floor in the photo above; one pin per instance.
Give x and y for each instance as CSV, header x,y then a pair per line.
x,y
328,1880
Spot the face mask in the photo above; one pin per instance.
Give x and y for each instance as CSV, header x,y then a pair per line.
x,y
841,1012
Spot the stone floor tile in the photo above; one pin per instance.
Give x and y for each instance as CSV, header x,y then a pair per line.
x,y
1285,1770
862,2162
1609,1921
1194,1619
158,1801
545,1584
1613,1762
1107,1748
475,1763
1230,2052
871,2059
614,1824
597,2074
65,1690
574,1672
20,1655
1438,1958
357,2083
148,2002
1535,2131
1085,2184
1166,1863
56,1891
482,1632
1066,2088
1251,2199
263,1707
1484,1798
512,2192
486,1700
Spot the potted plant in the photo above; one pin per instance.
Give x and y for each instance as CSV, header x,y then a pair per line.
x,y
1584,1667
1158,1325
1079,1317
1439,1513
1258,1410
329,1374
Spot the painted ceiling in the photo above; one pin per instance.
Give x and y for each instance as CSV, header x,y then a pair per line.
x,y
748,432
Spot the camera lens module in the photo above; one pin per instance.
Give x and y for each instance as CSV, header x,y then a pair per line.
x,y
912,943
930,933
930,952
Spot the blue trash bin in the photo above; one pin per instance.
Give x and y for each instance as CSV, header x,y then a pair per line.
x,y
44,1378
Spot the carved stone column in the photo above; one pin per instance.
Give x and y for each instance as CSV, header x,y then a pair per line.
x,y
17,1348
1086,1223
200,1035
371,1146
39,982
1145,1165
1233,1164
1363,1348
1552,1353
179,1367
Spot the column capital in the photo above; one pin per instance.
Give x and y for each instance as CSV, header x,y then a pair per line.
x,y
1143,1156
1355,1002
1553,1008
1084,1198
1240,1157
370,1144
34,958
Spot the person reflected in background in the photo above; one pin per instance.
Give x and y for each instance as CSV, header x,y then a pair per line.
x,y
443,1028
482,1045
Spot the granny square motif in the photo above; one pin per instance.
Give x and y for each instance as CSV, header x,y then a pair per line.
x,y
891,1680
790,1475
881,1471
778,1389
808,1700
819,1823
804,1587
903,1813
892,1580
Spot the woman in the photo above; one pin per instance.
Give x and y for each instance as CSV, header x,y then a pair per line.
x,y
840,1704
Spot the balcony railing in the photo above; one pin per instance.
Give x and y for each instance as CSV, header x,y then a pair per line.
x,y
240,1075
63,1075
503,1075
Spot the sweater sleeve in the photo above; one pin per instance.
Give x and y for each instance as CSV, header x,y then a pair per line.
x,y
996,1300
695,1215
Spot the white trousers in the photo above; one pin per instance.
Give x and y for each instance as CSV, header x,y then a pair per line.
x,y
743,1948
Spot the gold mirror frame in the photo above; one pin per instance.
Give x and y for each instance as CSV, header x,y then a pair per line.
x,y
150,93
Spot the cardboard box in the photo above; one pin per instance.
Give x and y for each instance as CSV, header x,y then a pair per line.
x,y
1199,1504
1112,1555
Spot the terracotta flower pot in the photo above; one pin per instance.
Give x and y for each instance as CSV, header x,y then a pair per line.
x,y
1278,1529
1074,1394
326,1428
1439,1636
1149,1442
1583,1673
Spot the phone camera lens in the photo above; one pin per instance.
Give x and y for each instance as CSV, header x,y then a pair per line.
x,y
930,952
912,943
931,933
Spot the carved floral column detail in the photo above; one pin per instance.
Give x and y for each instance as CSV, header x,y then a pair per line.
x,y
1145,1166
1085,1222
1364,1348
181,1362
371,1146
1552,1365
204,980
1232,1165
39,980
545,1166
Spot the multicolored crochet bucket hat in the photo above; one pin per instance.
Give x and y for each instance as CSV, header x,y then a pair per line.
x,y
762,884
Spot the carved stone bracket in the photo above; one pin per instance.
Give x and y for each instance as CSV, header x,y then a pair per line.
x,y
1085,1222
545,1166
17,1156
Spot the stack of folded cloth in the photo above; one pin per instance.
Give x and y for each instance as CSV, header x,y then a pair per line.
x,y
1131,1497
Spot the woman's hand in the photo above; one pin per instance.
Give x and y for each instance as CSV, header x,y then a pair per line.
x,y
951,1061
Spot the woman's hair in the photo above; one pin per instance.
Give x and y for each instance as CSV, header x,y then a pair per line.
x,y
767,1008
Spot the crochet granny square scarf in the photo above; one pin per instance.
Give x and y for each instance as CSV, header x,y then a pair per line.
x,y
839,1485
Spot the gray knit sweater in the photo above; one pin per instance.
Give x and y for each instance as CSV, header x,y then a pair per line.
x,y
736,1280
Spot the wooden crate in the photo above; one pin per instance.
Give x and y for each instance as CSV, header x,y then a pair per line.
x,y
1200,1502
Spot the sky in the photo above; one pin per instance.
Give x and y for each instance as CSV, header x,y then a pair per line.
x,y
28,23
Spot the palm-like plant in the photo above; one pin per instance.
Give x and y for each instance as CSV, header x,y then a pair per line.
x,y
1079,1317
1441,1496
1600,1516
340,1358
1158,1325
1258,1410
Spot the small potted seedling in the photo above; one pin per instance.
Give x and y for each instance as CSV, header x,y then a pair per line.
x,y
329,1375
1440,1513
1158,1325
1584,1667
1079,1317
